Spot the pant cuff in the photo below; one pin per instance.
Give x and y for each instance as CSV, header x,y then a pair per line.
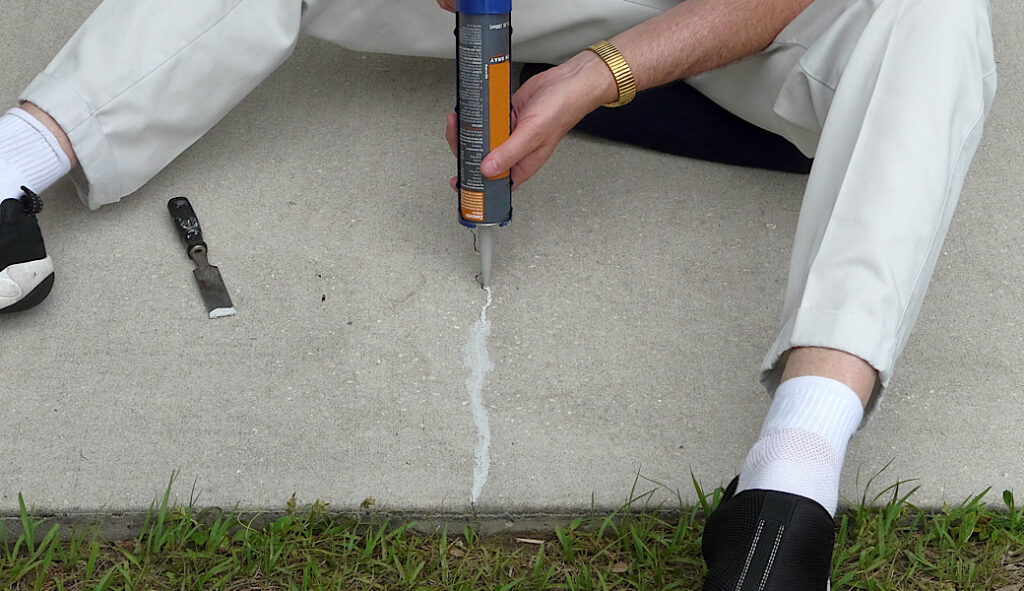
x,y
96,179
850,333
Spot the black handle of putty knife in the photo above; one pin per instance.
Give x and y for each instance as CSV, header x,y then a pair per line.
x,y
187,223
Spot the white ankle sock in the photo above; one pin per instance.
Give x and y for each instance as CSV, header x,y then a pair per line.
x,y
803,440
29,155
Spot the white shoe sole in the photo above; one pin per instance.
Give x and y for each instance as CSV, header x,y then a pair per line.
x,y
18,280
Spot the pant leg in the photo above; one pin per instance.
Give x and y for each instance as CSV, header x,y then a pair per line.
x,y
140,81
890,97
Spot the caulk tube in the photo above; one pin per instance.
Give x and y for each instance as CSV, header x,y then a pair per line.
x,y
483,39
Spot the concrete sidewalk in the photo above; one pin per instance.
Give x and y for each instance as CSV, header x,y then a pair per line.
x,y
634,296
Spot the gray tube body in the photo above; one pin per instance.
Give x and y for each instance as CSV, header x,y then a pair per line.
x,y
484,72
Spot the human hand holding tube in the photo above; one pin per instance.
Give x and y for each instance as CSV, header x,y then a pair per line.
x,y
544,109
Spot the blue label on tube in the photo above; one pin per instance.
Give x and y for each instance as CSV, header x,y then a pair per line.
x,y
483,6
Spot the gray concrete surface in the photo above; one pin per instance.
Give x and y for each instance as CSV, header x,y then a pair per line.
x,y
635,294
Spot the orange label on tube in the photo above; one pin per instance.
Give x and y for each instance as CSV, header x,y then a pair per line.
x,y
498,88
472,205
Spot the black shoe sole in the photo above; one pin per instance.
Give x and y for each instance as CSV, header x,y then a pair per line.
x,y
33,298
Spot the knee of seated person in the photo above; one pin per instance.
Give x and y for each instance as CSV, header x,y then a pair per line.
x,y
949,16
941,27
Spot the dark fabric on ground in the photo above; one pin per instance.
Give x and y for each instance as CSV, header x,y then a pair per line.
x,y
677,119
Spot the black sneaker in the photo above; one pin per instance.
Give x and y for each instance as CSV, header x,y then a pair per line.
x,y
27,273
761,540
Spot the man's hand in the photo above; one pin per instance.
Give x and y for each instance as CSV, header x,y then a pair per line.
x,y
544,109
689,38
448,5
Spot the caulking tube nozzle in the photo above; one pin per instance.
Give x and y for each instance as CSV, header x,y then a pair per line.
x,y
485,242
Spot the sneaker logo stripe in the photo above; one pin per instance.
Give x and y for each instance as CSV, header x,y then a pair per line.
x,y
750,555
771,558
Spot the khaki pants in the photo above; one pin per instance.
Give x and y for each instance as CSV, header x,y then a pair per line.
x,y
889,96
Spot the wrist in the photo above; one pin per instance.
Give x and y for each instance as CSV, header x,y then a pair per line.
x,y
595,77
619,67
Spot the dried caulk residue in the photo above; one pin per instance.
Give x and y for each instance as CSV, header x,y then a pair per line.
x,y
478,362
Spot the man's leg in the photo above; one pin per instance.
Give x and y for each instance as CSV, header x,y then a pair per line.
x,y
34,152
890,97
854,372
53,127
816,410
901,117
136,85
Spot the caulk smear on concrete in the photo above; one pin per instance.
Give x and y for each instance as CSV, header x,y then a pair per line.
x,y
478,362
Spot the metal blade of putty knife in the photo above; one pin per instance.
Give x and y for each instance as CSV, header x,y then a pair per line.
x,y
211,284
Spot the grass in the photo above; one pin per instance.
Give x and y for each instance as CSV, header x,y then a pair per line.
x,y
883,543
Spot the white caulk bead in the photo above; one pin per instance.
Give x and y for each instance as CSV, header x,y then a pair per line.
x,y
478,362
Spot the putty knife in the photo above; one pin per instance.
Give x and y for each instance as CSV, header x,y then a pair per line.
x,y
211,285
